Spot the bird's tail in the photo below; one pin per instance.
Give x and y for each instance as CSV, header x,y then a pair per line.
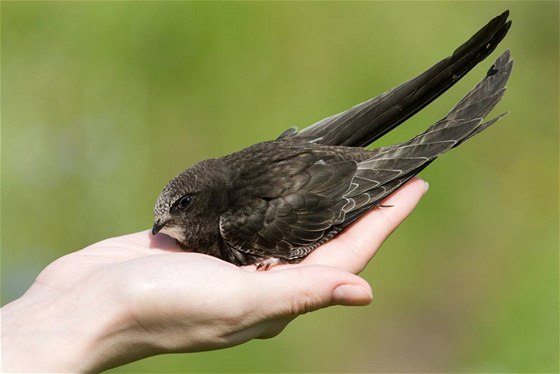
x,y
390,167
366,122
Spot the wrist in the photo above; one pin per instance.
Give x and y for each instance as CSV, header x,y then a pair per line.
x,y
46,331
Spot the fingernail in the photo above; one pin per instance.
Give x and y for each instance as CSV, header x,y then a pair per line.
x,y
427,185
351,295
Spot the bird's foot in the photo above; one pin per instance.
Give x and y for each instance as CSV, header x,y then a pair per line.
x,y
266,263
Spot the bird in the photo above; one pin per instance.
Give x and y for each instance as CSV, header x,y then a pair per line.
x,y
275,202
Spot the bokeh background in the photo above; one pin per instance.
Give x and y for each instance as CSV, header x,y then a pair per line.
x,y
103,103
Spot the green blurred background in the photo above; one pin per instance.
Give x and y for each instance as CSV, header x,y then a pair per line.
x,y
103,103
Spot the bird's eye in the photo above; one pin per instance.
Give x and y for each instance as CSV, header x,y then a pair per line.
x,y
185,201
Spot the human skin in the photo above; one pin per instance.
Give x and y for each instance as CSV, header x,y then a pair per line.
x,y
138,295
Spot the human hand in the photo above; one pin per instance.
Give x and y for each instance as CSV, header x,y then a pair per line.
x,y
137,295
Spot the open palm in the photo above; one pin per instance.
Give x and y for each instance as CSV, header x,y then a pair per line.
x,y
146,295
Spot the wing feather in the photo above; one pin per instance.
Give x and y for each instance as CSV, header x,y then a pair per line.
x,y
291,225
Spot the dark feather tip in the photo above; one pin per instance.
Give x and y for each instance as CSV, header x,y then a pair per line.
x,y
492,71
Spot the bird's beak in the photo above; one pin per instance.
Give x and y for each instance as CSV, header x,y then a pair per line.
x,y
158,225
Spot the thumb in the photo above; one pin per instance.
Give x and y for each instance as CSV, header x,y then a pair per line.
x,y
301,289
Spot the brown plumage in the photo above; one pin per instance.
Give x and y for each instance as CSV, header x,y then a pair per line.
x,y
277,201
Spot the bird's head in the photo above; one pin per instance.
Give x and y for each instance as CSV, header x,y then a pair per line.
x,y
185,204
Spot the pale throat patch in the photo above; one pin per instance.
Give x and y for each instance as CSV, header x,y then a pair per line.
x,y
175,232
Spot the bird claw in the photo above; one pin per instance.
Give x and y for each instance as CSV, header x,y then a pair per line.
x,y
267,263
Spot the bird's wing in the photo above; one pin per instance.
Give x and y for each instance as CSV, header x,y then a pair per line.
x,y
366,122
390,167
295,221
317,193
